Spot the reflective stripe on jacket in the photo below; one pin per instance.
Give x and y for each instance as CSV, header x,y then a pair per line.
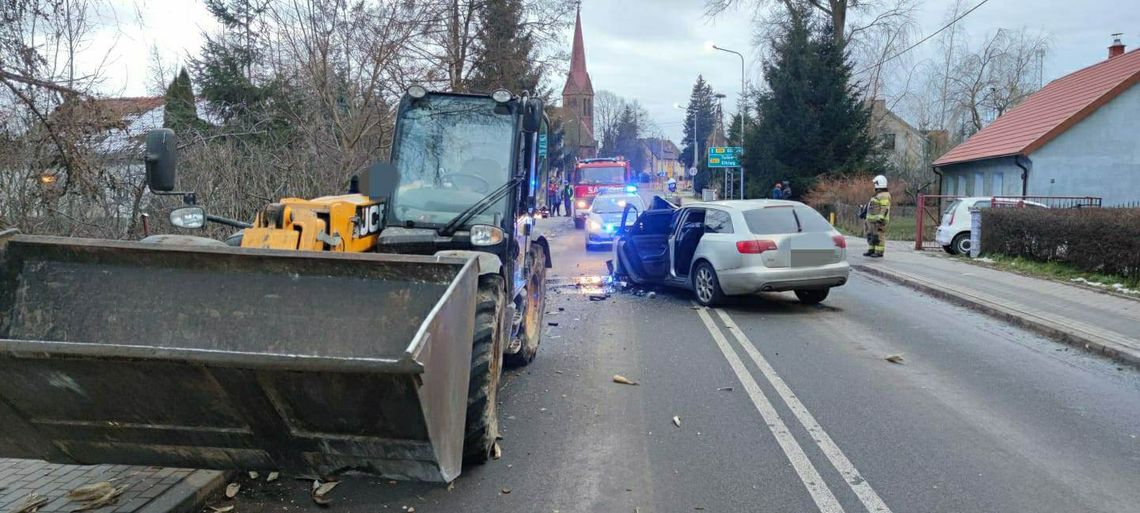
x,y
879,208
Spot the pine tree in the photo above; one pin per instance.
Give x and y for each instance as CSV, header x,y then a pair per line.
x,y
504,53
702,107
811,119
180,112
225,68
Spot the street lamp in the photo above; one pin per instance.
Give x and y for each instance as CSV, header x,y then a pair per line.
x,y
678,106
743,92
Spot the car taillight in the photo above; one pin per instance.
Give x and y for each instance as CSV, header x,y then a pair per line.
x,y
950,222
754,247
839,241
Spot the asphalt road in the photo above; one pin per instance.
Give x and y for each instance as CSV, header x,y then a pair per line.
x,y
783,408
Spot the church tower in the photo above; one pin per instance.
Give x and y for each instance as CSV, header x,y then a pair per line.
x,y
578,98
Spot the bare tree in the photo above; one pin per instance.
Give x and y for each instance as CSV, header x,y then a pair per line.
x,y
986,81
849,18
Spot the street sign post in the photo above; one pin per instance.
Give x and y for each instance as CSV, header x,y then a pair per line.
x,y
724,156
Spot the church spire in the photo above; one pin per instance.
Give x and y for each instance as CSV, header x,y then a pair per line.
x,y
578,80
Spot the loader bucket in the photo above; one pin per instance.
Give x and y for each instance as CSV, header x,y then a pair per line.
x,y
229,358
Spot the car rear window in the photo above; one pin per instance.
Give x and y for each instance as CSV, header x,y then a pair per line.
x,y
811,221
950,208
771,220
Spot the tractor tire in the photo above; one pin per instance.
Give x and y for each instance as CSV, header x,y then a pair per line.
x,y
530,334
482,426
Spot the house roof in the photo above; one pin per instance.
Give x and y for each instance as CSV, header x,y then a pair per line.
x,y
663,149
1049,112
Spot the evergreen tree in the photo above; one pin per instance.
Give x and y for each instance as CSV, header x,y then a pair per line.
x,y
504,53
627,141
702,108
811,118
225,68
180,112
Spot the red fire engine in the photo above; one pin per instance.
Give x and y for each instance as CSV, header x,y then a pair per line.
x,y
592,175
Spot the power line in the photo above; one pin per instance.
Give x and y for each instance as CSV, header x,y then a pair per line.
x,y
925,39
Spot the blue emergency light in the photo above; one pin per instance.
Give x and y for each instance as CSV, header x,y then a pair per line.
x,y
609,227
631,188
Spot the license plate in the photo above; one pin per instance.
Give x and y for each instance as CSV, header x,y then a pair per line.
x,y
812,258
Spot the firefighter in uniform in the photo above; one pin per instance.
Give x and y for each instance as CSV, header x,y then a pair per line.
x,y
878,215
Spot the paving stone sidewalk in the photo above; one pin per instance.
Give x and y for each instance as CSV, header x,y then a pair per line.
x,y
149,489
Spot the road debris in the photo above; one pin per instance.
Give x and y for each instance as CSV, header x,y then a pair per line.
x,y
651,295
31,504
320,490
618,378
506,491
724,389
676,421
496,451
253,474
598,297
90,492
232,490
221,509
272,477
552,324
895,358
451,486
110,496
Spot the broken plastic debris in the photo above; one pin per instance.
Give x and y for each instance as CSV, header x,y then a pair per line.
x,y
253,474
618,378
505,491
496,451
221,509
676,421
895,358
232,490
272,477
322,489
31,503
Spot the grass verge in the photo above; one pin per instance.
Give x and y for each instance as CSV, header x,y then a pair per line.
x,y
1061,272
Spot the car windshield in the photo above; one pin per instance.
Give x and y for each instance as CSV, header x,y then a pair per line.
x,y
451,151
600,175
616,204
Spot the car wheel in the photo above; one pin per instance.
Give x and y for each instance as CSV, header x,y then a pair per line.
x,y
949,248
706,285
961,243
813,296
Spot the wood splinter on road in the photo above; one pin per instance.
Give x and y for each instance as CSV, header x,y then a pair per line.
x,y
618,378
895,358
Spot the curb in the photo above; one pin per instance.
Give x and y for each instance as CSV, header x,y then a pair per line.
x,y
1067,334
190,494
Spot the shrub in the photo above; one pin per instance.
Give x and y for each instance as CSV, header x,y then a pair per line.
x,y
1100,240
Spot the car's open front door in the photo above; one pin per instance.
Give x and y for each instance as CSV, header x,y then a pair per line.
x,y
643,249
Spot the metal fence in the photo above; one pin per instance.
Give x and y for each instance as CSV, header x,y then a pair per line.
x,y
931,207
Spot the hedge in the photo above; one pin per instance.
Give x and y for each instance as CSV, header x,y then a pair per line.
x,y
1100,240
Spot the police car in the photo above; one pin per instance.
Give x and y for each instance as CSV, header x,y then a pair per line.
x,y
604,216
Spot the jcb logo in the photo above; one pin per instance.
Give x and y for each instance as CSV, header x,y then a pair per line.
x,y
369,220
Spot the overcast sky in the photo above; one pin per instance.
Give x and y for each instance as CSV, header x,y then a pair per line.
x,y
653,50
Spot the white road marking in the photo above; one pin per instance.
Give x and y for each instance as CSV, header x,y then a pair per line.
x,y
822,496
850,474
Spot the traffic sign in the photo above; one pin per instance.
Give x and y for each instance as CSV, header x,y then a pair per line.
x,y
692,171
725,156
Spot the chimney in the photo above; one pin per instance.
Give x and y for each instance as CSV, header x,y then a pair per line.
x,y
1117,48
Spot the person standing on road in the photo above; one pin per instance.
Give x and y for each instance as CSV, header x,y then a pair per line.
x,y
552,197
567,197
777,191
787,190
878,215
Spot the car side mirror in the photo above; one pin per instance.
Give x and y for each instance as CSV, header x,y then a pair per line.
x,y
161,159
192,217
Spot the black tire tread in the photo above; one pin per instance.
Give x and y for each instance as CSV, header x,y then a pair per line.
x,y
482,424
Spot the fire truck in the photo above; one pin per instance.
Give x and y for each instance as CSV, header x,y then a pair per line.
x,y
593,175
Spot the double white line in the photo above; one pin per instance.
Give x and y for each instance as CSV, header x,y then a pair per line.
x,y
820,493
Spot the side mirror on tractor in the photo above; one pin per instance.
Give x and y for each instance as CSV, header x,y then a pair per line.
x,y
532,115
161,159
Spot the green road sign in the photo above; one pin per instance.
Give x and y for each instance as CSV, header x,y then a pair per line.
x,y
725,156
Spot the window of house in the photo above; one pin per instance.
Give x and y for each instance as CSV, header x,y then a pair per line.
x,y
997,184
979,184
962,186
888,141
